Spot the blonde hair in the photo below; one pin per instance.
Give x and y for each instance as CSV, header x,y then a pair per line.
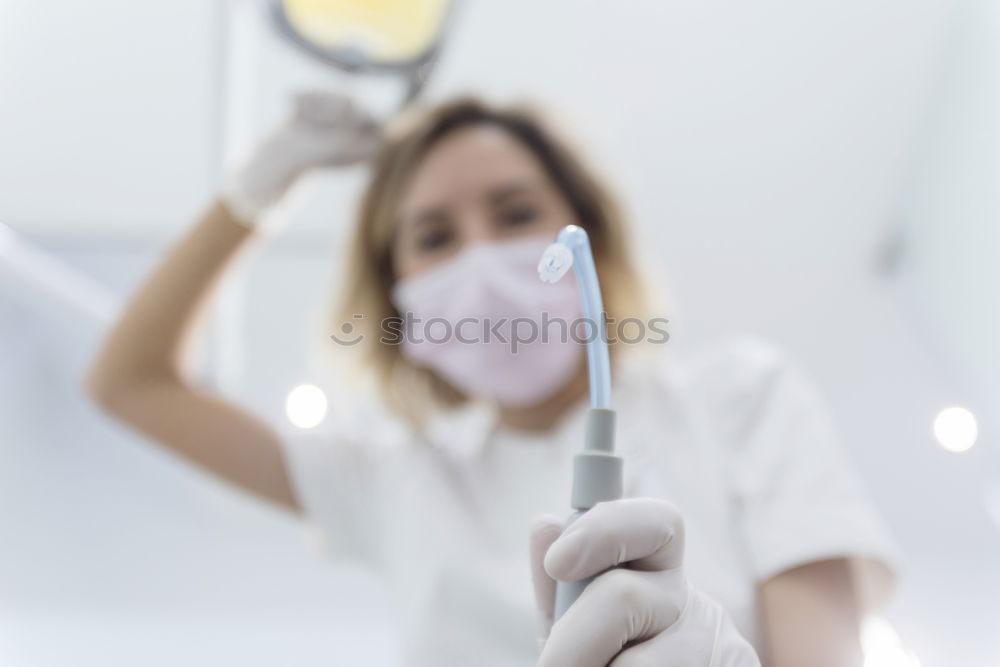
x,y
409,390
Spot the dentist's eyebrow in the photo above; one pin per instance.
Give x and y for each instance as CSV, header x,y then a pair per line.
x,y
507,191
426,216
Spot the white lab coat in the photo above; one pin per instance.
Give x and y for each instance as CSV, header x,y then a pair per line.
x,y
733,434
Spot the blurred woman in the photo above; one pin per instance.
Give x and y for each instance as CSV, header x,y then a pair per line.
x,y
777,547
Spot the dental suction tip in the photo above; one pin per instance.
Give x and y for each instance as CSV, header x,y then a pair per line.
x,y
556,261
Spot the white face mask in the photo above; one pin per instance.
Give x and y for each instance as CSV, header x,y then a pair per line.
x,y
486,323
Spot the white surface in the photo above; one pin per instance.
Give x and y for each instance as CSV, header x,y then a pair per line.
x,y
170,639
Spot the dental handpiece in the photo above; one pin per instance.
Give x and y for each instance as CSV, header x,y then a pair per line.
x,y
597,472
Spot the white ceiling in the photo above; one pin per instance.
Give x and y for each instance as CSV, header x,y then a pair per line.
x,y
106,113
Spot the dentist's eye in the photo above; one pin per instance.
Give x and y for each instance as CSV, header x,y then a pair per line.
x,y
434,240
519,215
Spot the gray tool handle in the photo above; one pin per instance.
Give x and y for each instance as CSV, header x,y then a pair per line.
x,y
566,594
597,477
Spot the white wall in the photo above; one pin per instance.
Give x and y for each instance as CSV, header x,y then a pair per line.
x,y
953,202
765,149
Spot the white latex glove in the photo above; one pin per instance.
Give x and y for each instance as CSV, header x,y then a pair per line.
x,y
325,129
643,613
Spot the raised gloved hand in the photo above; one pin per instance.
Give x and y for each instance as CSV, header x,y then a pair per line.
x,y
325,129
642,613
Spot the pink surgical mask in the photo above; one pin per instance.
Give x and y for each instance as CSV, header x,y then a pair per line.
x,y
485,323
